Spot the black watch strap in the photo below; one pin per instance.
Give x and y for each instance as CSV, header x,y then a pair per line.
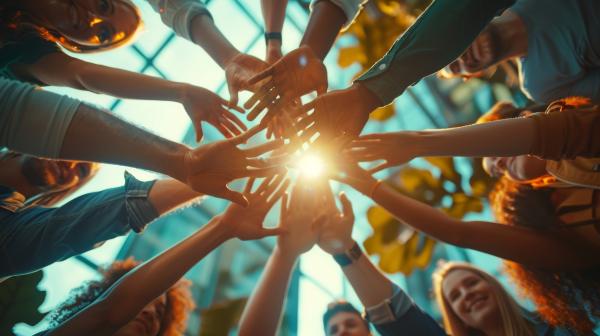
x,y
348,257
273,36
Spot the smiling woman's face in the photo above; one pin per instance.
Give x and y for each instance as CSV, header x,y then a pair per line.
x,y
471,297
89,22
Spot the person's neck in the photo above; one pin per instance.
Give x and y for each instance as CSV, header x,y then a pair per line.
x,y
513,35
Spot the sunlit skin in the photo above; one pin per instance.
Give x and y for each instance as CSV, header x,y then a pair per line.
x,y
311,165
347,324
472,299
87,22
520,168
148,321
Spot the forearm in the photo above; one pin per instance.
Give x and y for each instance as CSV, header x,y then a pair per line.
x,y
205,33
263,310
96,135
126,84
438,37
123,301
478,140
371,286
166,195
273,14
325,22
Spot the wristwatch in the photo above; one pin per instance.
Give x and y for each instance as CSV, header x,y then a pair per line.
x,y
349,256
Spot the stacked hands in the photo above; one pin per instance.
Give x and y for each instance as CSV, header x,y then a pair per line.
x,y
331,122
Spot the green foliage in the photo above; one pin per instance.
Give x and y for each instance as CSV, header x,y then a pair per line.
x,y
20,299
401,248
219,319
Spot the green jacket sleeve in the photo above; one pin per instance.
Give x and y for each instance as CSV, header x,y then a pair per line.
x,y
438,37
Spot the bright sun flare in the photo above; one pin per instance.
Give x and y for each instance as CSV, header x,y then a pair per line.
x,y
311,165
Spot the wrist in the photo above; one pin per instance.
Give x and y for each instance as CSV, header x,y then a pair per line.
x,y
219,228
368,99
285,254
349,255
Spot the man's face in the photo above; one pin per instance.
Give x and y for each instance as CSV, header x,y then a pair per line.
x,y
480,55
53,175
347,324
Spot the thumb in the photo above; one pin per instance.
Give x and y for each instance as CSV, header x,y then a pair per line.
x,y
234,196
199,133
272,232
233,94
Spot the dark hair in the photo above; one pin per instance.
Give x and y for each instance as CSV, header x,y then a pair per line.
x,y
341,307
179,299
570,299
507,110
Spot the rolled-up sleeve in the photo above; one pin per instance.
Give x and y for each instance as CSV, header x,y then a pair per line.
x,y
399,315
351,8
438,37
567,134
35,237
178,14
32,120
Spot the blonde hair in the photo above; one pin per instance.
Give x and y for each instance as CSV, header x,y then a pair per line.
x,y
22,20
512,319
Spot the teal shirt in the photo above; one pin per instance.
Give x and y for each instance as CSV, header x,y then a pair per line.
x,y
563,56
441,34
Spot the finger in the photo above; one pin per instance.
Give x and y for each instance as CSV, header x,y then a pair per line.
x,y
372,136
266,73
233,128
232,117
249,185
199,133
379,168
308,106
262,172
346,206
263,148
223,130
278,193
272,232
233,94
267,101
258,95
233,196
284,205
230,105
318,223
265,184
240,139
258,163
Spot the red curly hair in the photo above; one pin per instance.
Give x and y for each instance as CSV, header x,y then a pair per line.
x,y
569,299
179,299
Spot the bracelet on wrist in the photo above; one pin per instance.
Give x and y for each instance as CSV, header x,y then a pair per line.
x,y
349,256
273,36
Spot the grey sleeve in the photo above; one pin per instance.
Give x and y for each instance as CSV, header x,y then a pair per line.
x,y
32,120
178,14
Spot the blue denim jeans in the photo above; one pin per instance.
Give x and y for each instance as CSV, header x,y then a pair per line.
x,y
32,237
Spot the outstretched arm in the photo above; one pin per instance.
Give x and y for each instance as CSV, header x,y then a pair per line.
x,y
539,248
325,22
128,296
59,69
273,15
387,306
262,313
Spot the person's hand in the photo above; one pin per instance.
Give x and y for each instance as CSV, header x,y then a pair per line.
x,y
209,168
203,105
350,173
247,223
238,72
343,112
336,231
294,75
300,219
395,148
